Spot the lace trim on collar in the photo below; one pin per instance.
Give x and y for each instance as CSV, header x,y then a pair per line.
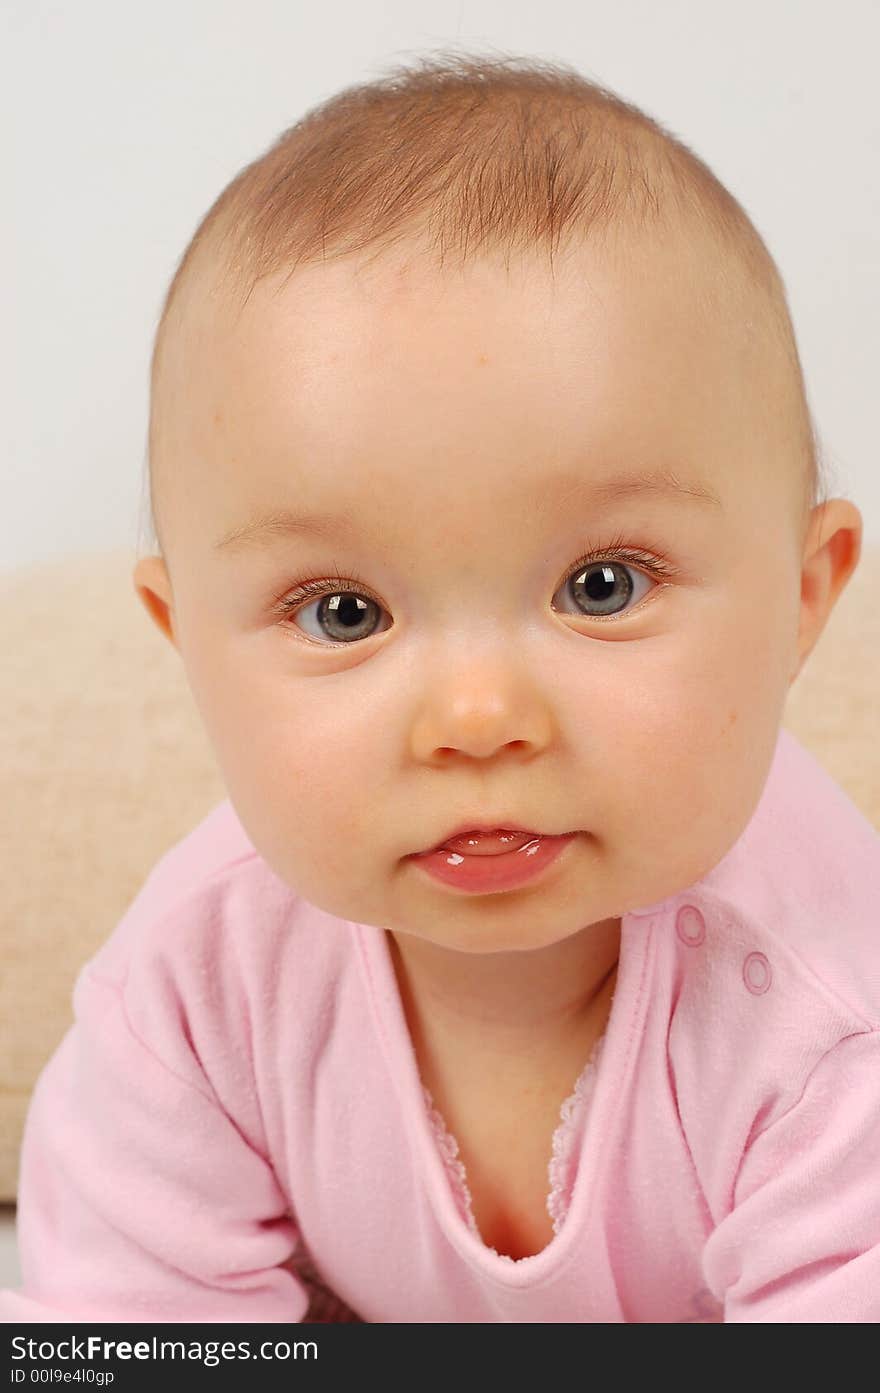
x,y
562,1168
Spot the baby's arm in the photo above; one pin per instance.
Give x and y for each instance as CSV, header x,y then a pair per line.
x,y
802,1242
140,1199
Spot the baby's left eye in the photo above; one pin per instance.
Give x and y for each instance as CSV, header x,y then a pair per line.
x,y
601,589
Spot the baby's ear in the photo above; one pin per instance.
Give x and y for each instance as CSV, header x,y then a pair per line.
x,y
153,586
831,553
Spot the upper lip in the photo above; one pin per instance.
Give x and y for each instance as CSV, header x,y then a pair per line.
x,y
499,825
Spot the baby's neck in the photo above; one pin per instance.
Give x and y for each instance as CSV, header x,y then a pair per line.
x,y
508,1005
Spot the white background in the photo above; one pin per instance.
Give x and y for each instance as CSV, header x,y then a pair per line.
x,y
123,123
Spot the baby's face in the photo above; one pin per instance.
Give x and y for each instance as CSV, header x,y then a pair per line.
x,y
468,436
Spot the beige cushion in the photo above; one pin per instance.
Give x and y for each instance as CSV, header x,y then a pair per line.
x,y
106,765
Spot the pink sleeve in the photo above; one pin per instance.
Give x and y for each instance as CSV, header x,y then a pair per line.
x,y
140,1199
802,1242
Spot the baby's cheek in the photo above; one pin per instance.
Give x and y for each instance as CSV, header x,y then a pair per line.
x,y
692,743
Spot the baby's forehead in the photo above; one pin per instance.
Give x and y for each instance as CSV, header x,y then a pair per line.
x,y
308,325
527,293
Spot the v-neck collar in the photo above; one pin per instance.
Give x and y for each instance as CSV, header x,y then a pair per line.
x,y
623,1029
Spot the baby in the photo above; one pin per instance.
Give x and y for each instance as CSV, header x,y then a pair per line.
x,y
529,971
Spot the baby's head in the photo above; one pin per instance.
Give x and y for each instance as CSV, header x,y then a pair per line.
x,y
528,371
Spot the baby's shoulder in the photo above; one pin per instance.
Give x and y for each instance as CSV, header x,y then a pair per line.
x,y
769,962
212,909
219,971
802,886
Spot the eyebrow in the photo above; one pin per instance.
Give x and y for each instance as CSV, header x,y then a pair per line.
x,y
268,528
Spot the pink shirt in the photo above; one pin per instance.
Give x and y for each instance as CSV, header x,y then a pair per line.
x,y
237,1113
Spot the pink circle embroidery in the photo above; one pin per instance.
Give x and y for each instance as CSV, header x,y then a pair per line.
x,y
690,926
757,974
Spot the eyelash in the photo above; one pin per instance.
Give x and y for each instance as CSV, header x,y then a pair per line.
x,y
657,565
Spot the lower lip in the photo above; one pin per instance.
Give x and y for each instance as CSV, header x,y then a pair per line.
x,y
482,874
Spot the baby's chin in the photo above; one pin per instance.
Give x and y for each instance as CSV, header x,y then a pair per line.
x,y
508,923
